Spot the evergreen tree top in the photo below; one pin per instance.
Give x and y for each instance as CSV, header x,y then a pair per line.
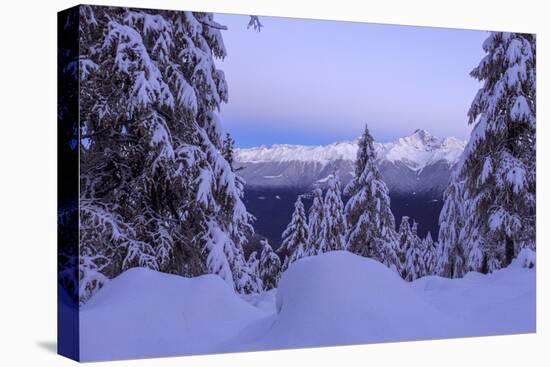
x,y
367,175
509,75
266,247
404,224
414,227
333,183
366,153
296,232
429,238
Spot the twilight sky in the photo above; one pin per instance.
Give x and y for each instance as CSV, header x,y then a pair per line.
x,y
316,82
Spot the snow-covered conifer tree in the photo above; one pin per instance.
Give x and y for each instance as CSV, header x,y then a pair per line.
x,y
270,266
449,252
255,284
297,254
334,221
414,262
499,161
414,230
405,238
314,241
413,267
228,149
156,190
429,255
295,235
315,224
371,223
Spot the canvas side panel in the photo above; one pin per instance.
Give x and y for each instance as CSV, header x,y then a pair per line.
x,y
67,183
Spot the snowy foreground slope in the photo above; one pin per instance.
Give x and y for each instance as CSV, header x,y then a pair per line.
x,y
333,299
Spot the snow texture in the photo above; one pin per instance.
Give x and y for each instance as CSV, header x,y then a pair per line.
x,y
143,313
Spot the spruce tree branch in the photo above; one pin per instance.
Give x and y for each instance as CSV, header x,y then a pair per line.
x,y
213,24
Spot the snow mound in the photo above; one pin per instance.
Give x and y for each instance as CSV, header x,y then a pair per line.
x,y
143,313
526,259
339,298
503,302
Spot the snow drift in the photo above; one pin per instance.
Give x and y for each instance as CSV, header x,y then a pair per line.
x,y
143,313
333,299
339,298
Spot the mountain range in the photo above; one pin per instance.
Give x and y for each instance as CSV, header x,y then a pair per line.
x,y
418,163
416,169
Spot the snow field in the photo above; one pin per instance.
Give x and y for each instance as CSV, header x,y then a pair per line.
x,y
335,298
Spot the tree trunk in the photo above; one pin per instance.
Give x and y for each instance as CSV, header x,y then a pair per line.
x,y
509,250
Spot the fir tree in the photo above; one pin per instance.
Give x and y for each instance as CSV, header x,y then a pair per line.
x,y
255,285
414,266
371,223
297,254
414,230
155,189
429,255
406,238
315,224
295,235
228,149
270,266
498,167
334,221
449,253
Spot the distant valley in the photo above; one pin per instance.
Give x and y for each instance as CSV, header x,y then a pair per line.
x,y
416,169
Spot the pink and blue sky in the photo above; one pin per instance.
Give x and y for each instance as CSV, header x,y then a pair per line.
x,y
315,82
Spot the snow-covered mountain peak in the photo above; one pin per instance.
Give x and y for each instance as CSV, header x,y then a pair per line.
x,y
415,151
421,149
302,153
420,139
452,142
